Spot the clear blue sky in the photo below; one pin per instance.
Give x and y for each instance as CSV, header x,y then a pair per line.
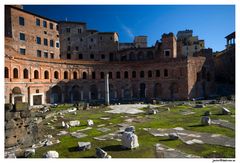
x,y
210,22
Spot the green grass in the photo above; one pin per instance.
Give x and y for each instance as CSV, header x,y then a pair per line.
x,y
147,142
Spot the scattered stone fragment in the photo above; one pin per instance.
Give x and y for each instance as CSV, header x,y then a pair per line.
x,y
63,124
130,129
104,118
103,129
90,122
72,110
102,125
82,146
62,133
199,106
224,123
78,134
101,153
51,154
29,152
173,136
206,121
48,143
129,140
67,126
225,111
151,111
74,123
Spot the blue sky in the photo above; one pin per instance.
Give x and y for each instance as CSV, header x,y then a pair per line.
x,y
210,22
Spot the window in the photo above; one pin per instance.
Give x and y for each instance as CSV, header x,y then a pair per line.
x,y
22,51
51,25
134,74
68,38
103,56
84,75
45,42
56,75
36,74
69,48
118,75
125,74
45,32
92,56
90,47
38,40
100,37
6,73
39,53
110,75
68,56
157,73
76,48
15,73
79,30
165,72
44,24
102,75
51,43
57,44
74,75
57,27
149,74
111,38
68,30
167,53
65,75
81,39
45,54
21,21
46,75
91,39
80,56
22,36
52,55
142,74
93,75
37,22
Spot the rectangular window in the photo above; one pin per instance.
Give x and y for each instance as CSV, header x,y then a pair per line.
x,y
167,53
21,21
68,56
22,36
22,51
45,42
37,22
76,48
38,40
165,73
52,55
44,24
57,44
68,30
79,30
51,25
39,53
45,54
93,75
80,56
157,73
51,43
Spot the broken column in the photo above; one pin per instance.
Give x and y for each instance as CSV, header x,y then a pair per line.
x,y
107,89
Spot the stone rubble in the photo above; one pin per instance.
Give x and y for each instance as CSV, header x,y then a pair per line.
x,y
51,154
82,146
129,140
101,153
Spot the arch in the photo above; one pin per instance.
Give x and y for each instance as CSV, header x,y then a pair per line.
x,y
132,56
36,74
142,92
149,55
56,94
74,75
174,90
111,92
75,94
25,73
118,75
16,90
126,92
17,95
15,73
140,55
149,74
157,90
84,75
6,72
134,74
102,75
56,75
94,92
46,74
65,75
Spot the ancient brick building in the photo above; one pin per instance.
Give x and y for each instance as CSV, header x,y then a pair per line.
x,y
47,61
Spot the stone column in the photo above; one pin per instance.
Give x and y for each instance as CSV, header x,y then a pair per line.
x,y
81,95
107,89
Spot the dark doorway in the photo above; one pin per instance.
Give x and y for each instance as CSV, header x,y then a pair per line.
x,y
142,90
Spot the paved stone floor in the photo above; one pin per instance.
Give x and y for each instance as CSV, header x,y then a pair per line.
x,y
127,108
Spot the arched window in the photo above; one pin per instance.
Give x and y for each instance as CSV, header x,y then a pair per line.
x,y
36,74
46,75
149,73
6,73
84,75
56,75
140,56
125,74
134,74
15,73
142,74
65,75
110,75
118,75
102,75
165,72
25,73
74,75
150,55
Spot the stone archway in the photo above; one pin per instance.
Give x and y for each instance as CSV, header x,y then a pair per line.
x,y
142,92
75,94
93,92
157,90
56,94
17,95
